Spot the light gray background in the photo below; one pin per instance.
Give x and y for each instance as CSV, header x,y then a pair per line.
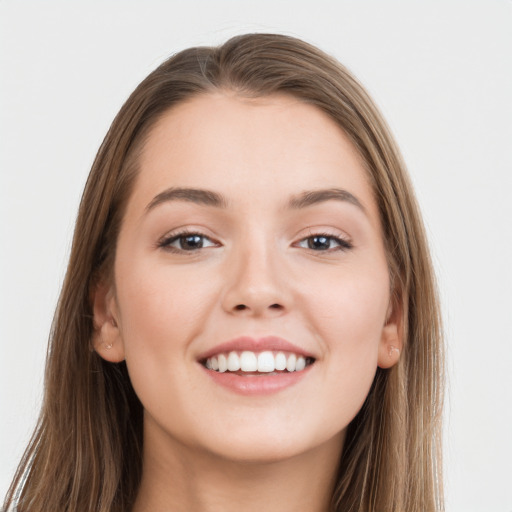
x,y
441,73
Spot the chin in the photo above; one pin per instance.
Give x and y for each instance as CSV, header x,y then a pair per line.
x,y
260,447
267,453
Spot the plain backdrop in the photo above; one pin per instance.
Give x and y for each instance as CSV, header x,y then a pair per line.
x,y
441,73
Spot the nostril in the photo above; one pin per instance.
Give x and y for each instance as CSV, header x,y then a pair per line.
x,y
242,307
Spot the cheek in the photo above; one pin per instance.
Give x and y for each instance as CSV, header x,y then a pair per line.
x,y
349,320
159,305
350,306
350,330
161,314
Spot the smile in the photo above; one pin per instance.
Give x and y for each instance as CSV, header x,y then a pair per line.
x,y
256,366
254,363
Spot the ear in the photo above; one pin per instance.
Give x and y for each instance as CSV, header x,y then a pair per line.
x,y
107,339
391,343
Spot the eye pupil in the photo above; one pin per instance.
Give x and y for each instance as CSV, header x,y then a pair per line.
x,y
190,242
318,242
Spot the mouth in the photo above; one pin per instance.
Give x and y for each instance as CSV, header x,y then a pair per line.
x,y
249,363
256,366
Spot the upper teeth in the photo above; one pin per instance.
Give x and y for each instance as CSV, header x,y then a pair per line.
x,y
265,362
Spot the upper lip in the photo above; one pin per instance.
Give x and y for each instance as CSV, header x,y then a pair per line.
x,y
249,343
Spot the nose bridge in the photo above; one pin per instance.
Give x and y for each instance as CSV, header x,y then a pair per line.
x,y
254,284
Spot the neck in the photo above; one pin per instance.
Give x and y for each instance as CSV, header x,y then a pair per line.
x,y
180,478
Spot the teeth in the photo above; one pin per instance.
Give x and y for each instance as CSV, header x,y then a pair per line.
x,y
248,362
262,362
233,362
300,364
280,361
266,362
290,363
223,364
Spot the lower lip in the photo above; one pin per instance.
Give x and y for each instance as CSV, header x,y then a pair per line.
x,y
256,384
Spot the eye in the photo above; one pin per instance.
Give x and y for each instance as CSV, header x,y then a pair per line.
x,y
323,242
186,241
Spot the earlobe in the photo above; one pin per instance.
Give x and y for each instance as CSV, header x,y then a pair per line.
x,y
389,355
391,342
107,339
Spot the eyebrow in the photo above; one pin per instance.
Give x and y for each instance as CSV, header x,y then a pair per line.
x,y
191,195
216,200
312,197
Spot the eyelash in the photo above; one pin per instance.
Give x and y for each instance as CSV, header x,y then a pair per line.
x,y
165,243
343,244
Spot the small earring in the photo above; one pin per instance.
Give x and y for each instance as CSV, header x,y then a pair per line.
x,y
108,346
392,350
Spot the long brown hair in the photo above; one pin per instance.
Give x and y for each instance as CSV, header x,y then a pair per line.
x,y
85,454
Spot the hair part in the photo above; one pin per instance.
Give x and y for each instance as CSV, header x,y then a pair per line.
x,y
86,451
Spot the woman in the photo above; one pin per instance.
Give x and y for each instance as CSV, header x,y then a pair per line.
x,y
249,320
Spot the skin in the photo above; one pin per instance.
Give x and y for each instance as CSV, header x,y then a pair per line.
x,y
207,448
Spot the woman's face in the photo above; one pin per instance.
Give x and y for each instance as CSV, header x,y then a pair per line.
x,y
251,238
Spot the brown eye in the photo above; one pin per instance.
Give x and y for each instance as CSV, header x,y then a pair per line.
x,y
319,243
188,242
324,243
191,242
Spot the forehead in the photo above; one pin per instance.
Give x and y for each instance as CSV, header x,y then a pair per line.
x,y
269,148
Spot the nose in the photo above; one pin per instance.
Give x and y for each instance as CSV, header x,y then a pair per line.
x,y
255,284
